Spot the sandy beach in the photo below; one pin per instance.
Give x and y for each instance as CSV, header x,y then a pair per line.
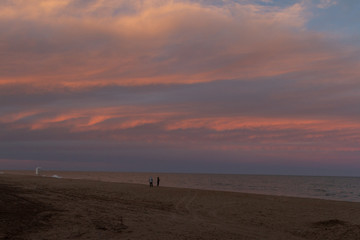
x,y
35,207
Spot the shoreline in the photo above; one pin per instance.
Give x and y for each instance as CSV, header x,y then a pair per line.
x,y
53,175
341,189
53,208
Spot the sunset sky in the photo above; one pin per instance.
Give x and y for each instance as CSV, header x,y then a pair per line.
x,y
219,86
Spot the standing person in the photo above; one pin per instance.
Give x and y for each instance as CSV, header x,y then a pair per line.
x,y
151,181
157,181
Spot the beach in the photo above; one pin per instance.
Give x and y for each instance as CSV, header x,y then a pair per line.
x,y
35,207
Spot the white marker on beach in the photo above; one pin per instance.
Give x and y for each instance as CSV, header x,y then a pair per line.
x,y
37,170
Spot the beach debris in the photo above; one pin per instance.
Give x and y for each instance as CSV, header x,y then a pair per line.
x,y
56,176
112,225
331,229
330,223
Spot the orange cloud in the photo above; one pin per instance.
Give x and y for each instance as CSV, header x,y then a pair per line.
x,y
233,123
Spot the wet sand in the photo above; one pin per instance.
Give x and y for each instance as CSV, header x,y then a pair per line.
x,y
33,207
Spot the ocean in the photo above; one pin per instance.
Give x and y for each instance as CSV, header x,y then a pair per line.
x,y
330,188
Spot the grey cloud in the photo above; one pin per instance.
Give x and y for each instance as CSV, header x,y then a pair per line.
x,y
224,66
161,158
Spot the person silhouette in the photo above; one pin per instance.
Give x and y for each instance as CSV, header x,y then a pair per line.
x,y
157,181
151,181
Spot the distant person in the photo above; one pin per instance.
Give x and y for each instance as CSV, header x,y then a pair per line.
x,y
151,181
157,181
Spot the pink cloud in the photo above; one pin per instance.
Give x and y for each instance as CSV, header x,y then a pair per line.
x,y
160,43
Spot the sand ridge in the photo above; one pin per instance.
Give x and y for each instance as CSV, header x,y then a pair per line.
x,y
49,208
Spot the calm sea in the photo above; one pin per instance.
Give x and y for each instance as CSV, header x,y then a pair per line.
x,y
331,188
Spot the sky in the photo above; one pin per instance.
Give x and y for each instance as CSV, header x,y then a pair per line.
x,y
198,86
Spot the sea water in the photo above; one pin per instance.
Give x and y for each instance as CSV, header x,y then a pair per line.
x,y
331,188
